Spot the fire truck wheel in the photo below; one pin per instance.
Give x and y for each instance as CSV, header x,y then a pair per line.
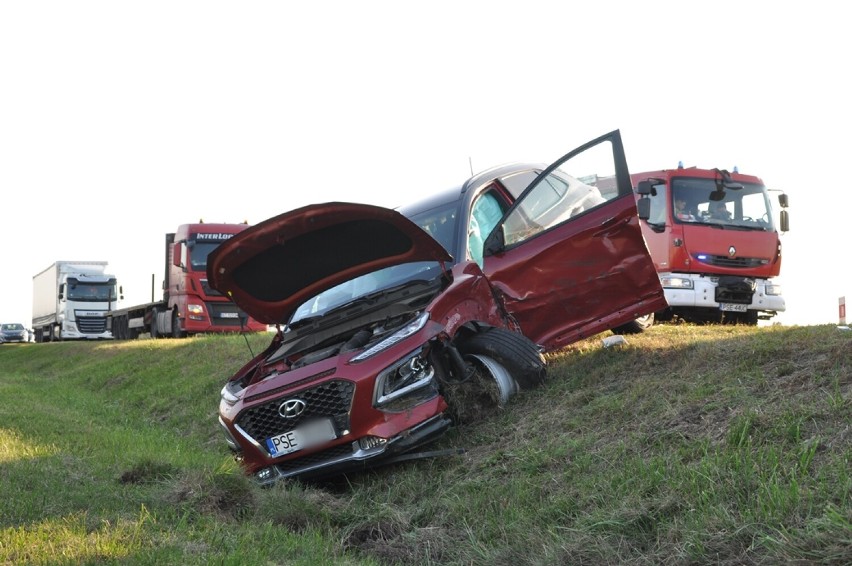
x,y
635,326
512,350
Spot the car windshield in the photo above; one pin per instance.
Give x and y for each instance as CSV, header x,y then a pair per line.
x,y
438,221
369,285
13,327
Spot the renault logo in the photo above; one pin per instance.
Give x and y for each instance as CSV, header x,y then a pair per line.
x,y
732,251
291,408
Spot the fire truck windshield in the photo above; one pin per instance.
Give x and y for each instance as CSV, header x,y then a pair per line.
x,y
698,201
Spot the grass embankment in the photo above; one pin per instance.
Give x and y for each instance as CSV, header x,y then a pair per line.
x,y
688,445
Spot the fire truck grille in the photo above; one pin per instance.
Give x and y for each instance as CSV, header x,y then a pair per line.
x,y
733,262
731,289
332,399
91,325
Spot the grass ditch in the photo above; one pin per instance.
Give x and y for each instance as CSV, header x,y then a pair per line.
x,y
687,445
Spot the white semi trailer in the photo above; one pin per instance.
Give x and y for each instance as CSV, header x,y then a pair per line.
x,y
71,300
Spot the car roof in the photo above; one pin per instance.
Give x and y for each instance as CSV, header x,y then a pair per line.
x,y
454,194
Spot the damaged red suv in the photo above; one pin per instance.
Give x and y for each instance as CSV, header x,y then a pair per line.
x,y
385,316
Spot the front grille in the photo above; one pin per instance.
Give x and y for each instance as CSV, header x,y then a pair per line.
x,y
91,325
330,455
733,262
732,289
225,314
332,399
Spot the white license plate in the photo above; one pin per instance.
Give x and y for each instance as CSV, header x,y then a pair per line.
x,y
307,435
733,307
229,315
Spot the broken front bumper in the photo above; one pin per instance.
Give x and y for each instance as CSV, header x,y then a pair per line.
x,y
357,455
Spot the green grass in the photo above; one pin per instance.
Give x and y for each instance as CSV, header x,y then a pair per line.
x,y
687,445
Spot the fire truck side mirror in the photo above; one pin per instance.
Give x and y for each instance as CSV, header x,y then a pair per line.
x,y
643,207
783,200
645,187
785,221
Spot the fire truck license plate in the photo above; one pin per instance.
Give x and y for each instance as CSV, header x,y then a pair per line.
x,y
229,315
733,307
305,436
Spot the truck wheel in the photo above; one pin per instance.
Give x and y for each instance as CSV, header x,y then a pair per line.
x,y
177,331
153,329
636,325
512,351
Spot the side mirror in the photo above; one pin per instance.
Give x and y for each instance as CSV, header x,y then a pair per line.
x,y
783,200
785,221
643,207
177,253
61,291
646,187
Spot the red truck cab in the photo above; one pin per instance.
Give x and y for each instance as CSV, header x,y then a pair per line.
x,y
714,237
193,305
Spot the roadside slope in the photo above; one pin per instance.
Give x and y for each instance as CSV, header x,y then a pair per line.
x,y
689,444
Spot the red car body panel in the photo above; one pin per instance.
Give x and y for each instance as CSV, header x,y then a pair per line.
x,y
586,272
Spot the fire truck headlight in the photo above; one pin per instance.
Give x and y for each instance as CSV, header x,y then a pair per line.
x,y
674,282
195,309
773,289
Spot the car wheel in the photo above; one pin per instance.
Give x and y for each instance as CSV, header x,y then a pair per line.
x,y
513,351
636,325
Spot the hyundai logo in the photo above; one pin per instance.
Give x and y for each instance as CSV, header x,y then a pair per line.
x,y
291,408
732,251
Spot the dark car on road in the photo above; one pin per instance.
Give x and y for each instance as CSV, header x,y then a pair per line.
x,y
388,318
13,332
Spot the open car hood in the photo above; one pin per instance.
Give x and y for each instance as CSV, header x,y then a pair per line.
x,y
271,268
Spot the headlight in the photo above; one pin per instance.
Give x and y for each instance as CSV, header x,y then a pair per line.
x,y
406,383
674,282
195,309
409,329
772,289
231,393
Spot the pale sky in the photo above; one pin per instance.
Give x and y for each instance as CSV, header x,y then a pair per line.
x,y
121,120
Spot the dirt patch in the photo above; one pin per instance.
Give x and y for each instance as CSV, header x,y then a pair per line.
x,y
473,400
389,543
147,472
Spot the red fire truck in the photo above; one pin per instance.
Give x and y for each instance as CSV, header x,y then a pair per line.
x,y
715,240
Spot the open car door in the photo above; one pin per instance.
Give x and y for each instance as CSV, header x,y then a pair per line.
x,y
568,258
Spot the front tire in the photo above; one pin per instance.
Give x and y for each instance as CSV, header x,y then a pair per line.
x,y
514,351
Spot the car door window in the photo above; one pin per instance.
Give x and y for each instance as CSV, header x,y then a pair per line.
x,y
485,213
570,190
